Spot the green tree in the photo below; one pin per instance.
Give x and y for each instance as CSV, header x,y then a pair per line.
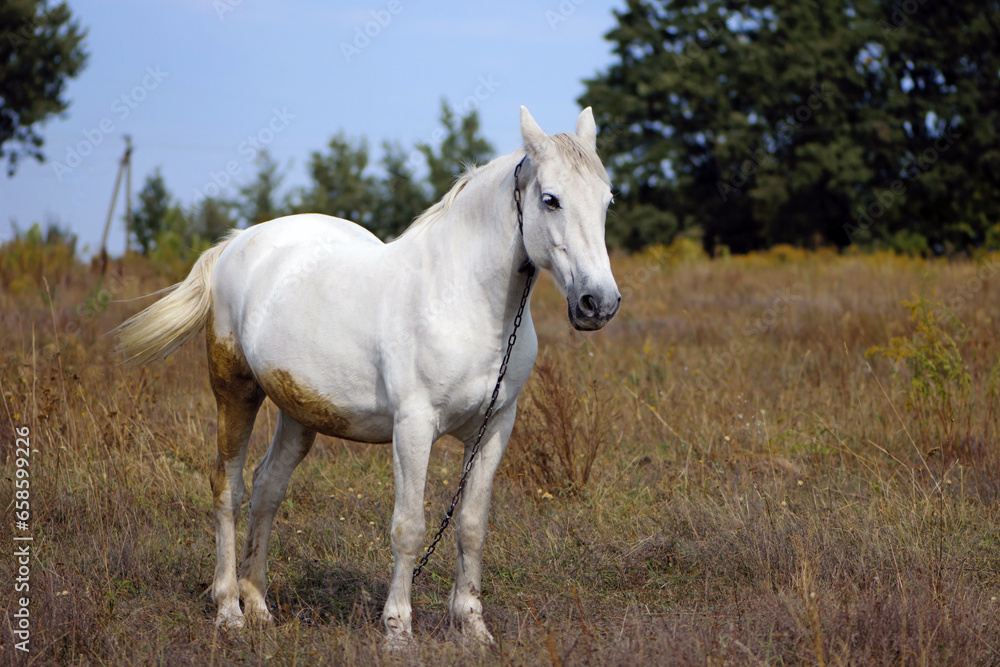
x,y
149,219
210,221
159,221
766,122
40,49
401,197
461,144
258,200
340,185
945,60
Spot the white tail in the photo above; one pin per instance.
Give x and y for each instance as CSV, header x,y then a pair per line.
x,y
163,327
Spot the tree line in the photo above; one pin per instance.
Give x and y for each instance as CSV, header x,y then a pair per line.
x,y
384,195
736,123
748,123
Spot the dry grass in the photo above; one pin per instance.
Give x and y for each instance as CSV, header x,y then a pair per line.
x,y
720,476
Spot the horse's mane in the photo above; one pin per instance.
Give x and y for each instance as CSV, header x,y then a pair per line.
x,y
569,145
441,208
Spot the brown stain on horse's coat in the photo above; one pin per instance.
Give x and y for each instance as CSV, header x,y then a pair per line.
x,y
305,405
234,383
238,397
229,371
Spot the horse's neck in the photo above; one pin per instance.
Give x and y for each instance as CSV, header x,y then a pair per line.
x,y
478,238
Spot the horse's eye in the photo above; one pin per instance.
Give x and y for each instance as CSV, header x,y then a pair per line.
x,y
551,201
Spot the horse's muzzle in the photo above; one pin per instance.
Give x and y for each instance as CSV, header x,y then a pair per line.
x,y
592,309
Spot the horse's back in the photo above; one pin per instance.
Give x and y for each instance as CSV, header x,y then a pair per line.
x,y
278,260
293,245
304,230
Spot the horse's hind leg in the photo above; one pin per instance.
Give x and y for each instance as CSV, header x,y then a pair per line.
x,y
291,443
238,397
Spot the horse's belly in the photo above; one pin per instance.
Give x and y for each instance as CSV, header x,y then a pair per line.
x,y
358,418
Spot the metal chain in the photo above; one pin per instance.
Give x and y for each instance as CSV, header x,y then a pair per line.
x,y
517,198
529,268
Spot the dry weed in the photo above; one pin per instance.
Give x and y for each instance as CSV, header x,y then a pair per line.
x,y
726,480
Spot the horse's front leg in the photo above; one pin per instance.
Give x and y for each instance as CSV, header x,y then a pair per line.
x,y
471,522
412,436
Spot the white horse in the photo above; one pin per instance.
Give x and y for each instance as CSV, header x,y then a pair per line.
x,y
397,342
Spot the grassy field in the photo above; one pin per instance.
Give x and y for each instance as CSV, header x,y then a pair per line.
x,y
720,476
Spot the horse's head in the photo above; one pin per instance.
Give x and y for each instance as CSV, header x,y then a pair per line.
x,y
565,203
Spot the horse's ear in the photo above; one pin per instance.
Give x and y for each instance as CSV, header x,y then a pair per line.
x,y
586,128
535,139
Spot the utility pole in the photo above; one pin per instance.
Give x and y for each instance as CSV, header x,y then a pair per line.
x,y
124,168
128,193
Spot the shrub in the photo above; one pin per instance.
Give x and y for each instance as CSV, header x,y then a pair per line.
x,y
558,433
940,390
32,257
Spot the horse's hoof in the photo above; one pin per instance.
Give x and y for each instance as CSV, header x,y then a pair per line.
x,y
229,620
400,642
260,617
474,629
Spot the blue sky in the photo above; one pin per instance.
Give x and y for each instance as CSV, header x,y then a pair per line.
x,y
199,83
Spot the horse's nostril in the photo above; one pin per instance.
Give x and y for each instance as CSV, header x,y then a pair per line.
x,y
588,305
